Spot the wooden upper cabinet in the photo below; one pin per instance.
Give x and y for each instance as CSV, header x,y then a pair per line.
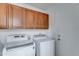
x,y
12,16
16,17
28,16
3,15
41,20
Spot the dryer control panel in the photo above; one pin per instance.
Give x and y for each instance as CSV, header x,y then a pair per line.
x,y
16,37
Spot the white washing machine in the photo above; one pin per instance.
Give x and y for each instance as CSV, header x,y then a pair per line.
x,y
19,45
44,46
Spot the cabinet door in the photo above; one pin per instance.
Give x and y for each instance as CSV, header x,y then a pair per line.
x,y
28,19
17,16
46,21
38,20
3,15
41,20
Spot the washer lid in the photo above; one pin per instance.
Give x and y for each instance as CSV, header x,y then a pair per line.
x,y
39,37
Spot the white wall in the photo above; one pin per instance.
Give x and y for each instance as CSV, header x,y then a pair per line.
x,y
64,20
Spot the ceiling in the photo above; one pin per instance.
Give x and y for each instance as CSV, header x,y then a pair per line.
x,y
45,6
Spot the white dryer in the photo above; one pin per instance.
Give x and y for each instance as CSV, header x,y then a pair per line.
x,y
19,45
44,46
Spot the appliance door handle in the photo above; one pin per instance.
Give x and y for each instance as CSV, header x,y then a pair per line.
x,y
29,44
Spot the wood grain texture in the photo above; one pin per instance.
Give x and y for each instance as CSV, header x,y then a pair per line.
x,y
41,20
17,16
28,19
46,21
3,16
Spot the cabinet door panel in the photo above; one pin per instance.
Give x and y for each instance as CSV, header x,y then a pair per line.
x,y
17,14
37,20
41,20
46,21
28,19
3,15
